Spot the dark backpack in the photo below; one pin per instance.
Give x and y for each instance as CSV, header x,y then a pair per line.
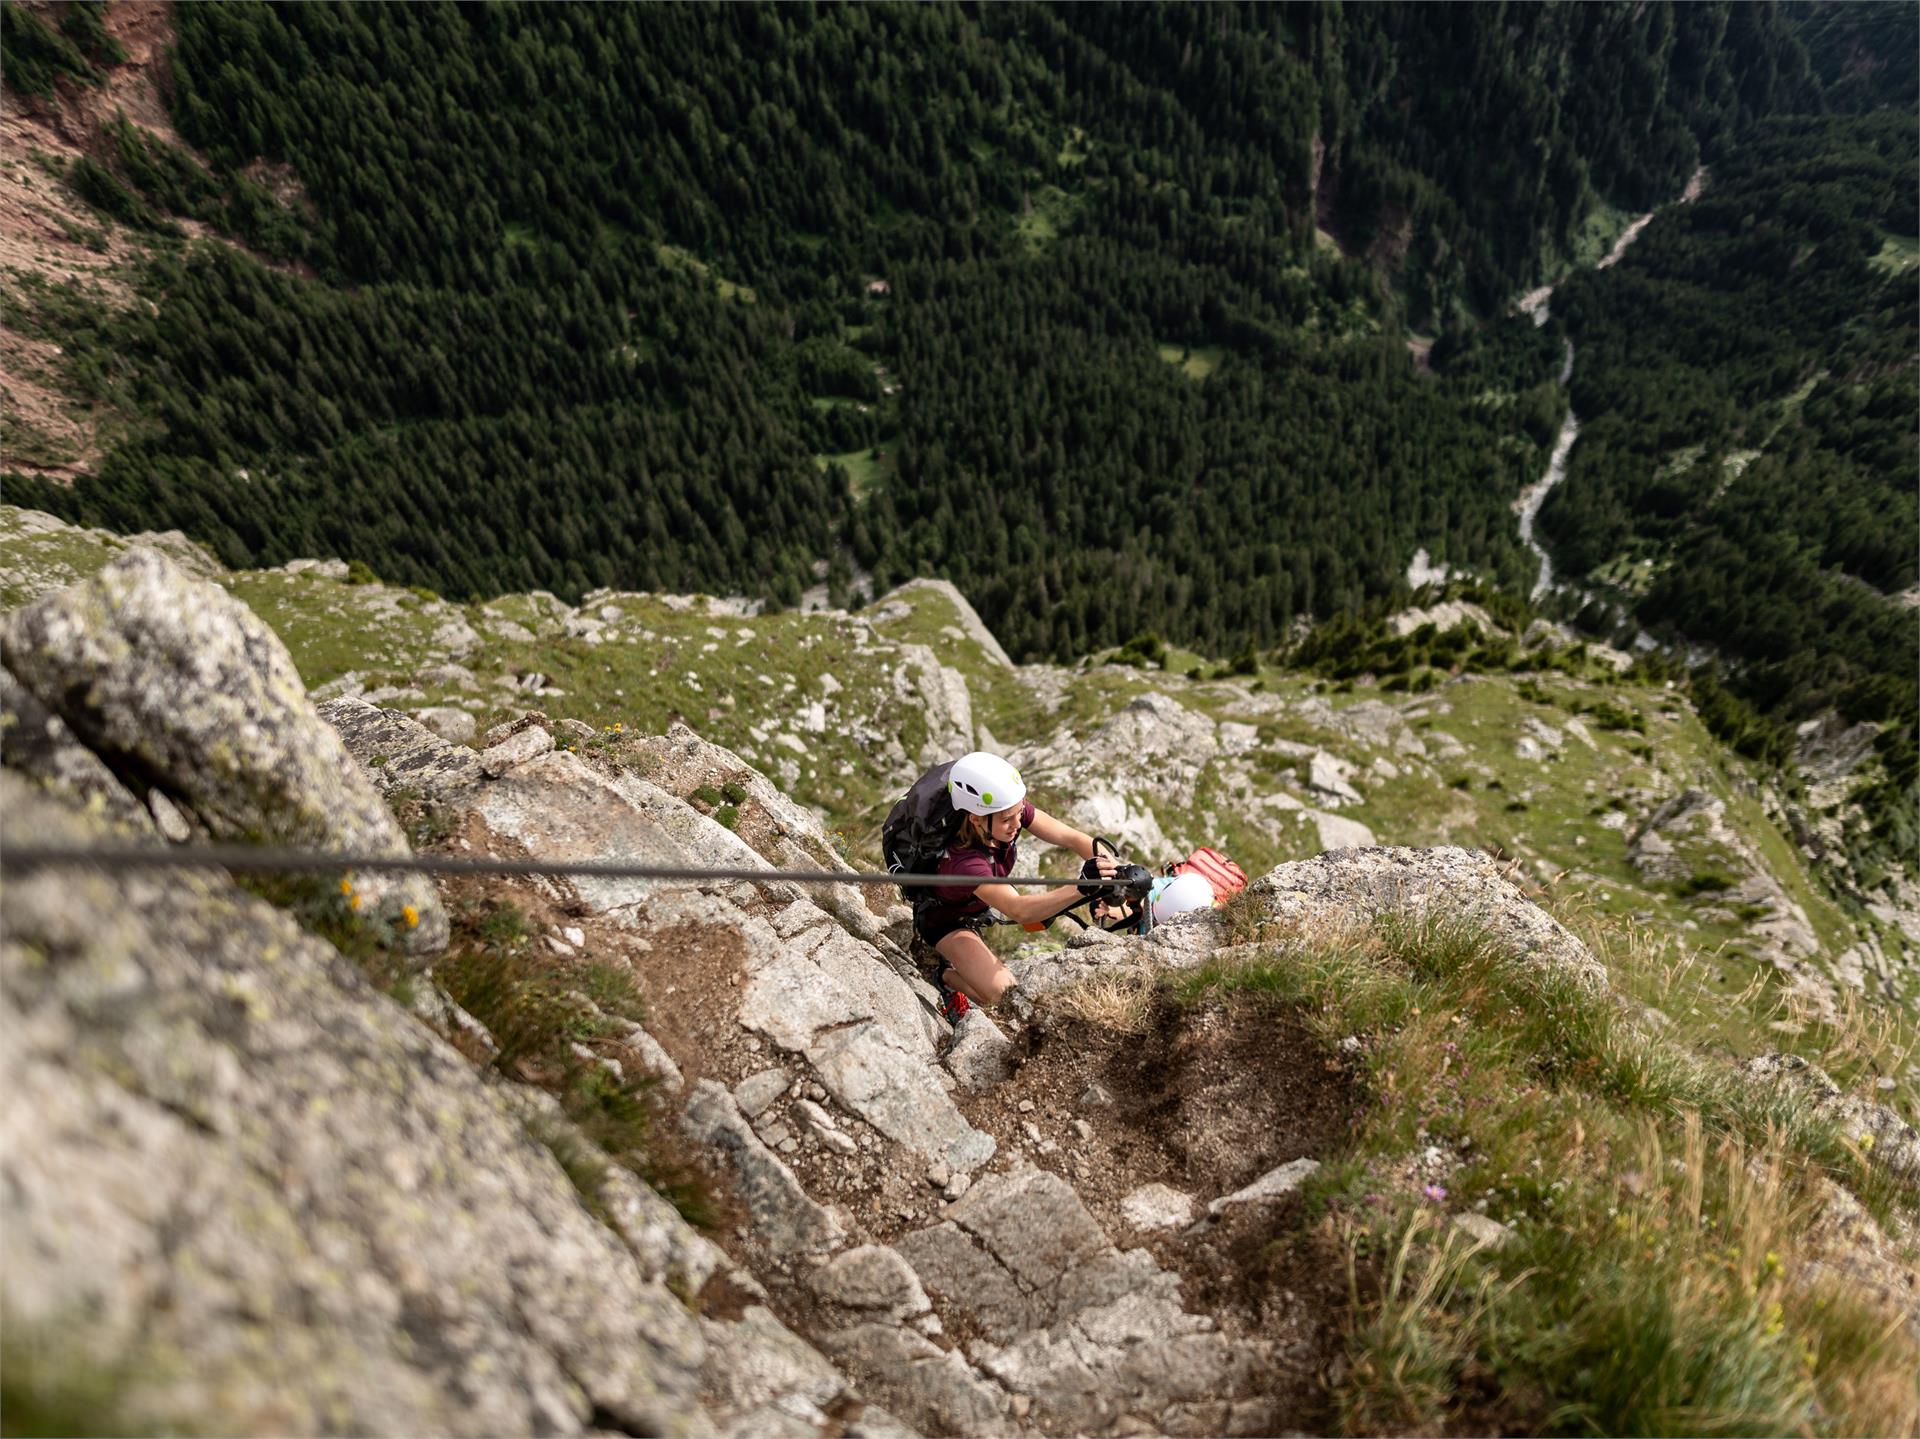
x,y
919,827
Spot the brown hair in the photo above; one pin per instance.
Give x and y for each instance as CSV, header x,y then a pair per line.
x,y
976,832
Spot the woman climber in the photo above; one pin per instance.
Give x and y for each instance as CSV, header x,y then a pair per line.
x,y
993,805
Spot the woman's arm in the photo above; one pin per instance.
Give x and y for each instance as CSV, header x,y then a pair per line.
x,y
1052,831
1030,908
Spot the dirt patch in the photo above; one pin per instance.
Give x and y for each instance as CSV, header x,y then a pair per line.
x,y
1204,1101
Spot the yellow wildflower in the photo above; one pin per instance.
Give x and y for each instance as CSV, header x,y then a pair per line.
x,y
410,915
353,901
346,886
1866,1141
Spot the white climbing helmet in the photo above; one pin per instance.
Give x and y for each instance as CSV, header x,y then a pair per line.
x,y
1182,894
982,783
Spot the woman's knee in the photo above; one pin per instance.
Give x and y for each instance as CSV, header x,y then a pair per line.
x,y
986,979
993,987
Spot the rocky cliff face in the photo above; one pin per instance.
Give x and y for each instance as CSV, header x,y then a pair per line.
x,y
266,1188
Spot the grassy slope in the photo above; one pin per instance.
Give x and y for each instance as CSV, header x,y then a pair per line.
x,y
743,682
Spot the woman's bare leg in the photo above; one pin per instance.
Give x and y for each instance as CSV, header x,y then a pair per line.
x,y
973,969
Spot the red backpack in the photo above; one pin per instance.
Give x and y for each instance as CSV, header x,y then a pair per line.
x,y
1226,877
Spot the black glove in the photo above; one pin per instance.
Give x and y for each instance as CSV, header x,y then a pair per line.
x,y
1092,882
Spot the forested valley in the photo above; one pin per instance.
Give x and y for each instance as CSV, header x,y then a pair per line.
x,y
1101,311
1750,479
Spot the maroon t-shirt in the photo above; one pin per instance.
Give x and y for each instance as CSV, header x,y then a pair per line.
x,y
995,862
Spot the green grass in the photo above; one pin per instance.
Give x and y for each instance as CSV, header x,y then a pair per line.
x,y
675,258
864,472
529,1002
1898,254
1658,1206
1195,362
1051,213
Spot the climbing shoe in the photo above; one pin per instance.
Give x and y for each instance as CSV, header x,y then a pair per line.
x,y
953,1004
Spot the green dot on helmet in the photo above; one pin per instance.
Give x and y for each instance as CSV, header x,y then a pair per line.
x,y
987,798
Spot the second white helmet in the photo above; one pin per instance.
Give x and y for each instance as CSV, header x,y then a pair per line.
x,y
1181,895
982,783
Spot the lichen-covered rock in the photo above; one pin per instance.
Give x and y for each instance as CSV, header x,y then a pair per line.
x,y
1092,1336
785,834
237,1177
178,687
402,754
38,744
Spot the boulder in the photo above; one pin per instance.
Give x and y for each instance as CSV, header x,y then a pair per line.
x,y
873,1280
980,1056
175,686
1445,883
1274,1184
399,753
1157,1206
1332,776
1338,833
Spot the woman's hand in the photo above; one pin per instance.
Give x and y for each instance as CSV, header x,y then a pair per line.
x,y
1096,872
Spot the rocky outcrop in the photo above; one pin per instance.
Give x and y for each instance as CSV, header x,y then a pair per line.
x,y
1443,885
1890,1143
1092,1338
1688,844
1335,892
938,695
785,834
178,688
1444,616
1154,746
220,1143
966,616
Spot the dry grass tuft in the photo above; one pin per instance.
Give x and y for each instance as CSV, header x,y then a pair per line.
x,y
1117,1000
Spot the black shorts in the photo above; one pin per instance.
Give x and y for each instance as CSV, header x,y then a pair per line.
x,y
933,923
